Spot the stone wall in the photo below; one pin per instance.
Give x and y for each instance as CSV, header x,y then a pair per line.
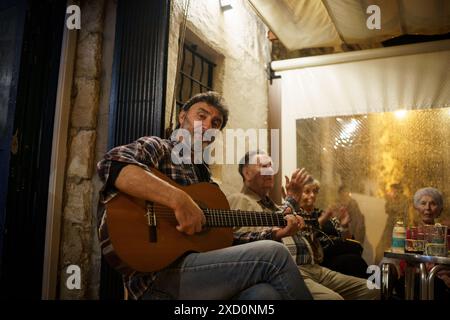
x,y
237,39
78,221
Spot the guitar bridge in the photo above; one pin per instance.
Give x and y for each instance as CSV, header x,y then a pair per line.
x,y
151,219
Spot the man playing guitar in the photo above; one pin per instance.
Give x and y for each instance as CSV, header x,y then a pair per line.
x,y
254,270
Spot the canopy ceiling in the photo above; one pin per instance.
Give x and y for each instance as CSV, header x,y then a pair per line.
x,y
301,24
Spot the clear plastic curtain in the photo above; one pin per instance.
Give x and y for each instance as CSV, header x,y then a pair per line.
x,y
410,82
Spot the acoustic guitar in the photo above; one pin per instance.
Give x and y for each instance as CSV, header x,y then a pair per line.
x,y
144,237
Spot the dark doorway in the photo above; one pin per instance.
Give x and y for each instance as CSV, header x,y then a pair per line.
x,y
138,88
23,236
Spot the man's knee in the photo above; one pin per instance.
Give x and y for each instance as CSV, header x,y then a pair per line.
x,y
320,292
328,296
273,249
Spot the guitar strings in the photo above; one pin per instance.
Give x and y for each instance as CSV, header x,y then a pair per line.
x,y
164,209
164,212
223,215
263,219
161,210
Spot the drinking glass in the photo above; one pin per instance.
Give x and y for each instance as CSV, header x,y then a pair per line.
x,y
435,240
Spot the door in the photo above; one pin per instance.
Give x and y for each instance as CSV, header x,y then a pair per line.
x,y
30,129
138,88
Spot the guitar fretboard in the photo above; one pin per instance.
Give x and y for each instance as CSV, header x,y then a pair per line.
x,y
239,218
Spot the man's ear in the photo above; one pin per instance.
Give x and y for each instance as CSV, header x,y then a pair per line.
x,y
181,117
246,173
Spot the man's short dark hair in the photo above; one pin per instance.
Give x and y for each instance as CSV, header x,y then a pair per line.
x,y
212,98
245,161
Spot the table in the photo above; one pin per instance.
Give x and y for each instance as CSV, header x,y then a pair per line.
x,y
414,261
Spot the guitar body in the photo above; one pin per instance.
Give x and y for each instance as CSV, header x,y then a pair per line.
x,y
129,231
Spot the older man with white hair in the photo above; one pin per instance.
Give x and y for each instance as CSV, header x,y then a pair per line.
x,y
323,283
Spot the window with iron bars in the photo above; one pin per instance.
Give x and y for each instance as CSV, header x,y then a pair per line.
x,y
196,75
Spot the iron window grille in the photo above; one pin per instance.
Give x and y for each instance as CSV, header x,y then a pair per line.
x,y
196,75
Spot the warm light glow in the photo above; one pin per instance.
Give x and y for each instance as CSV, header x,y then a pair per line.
x,y
400,114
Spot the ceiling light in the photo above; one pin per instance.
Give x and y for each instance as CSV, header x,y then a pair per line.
x,y
226,4
400,114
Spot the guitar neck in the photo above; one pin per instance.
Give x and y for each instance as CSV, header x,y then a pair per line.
x,y
239,218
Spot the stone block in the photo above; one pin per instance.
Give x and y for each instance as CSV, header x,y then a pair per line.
x,y
79,202
88,55
92,12
81,154
85,105
73,243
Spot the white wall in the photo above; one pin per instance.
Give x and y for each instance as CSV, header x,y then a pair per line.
x,y
375,219
238,44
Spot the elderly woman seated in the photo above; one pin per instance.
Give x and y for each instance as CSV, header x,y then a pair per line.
x,y
428,203
341,253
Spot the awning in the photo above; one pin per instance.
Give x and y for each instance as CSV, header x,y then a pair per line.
x,y
302,24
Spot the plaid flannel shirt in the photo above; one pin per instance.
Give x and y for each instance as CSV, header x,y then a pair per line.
x,y
148,152
314,238
304,246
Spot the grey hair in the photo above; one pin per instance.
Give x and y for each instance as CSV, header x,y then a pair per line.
x,y
211,98
313,181
429,191
246,160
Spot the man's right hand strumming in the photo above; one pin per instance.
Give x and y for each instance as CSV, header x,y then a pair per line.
x,y
142,184
188,214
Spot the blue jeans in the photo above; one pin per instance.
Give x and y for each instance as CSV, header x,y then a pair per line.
x,y
257,270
